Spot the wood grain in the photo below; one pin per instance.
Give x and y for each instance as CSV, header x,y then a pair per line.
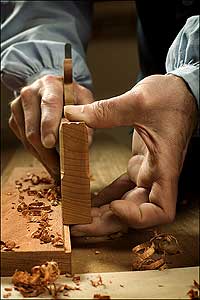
x,y
75,177
74,161
14,227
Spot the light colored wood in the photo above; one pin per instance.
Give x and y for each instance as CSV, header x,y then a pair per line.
x,y
167,284
74,161
14,227
75,177
109,156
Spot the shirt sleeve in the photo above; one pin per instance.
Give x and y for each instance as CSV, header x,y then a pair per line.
x,y
33,39
183,56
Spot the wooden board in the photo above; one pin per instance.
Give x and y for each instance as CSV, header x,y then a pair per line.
x,y
167,284
75,177
14,227
109,156
74,161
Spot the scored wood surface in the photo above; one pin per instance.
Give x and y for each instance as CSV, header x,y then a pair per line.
x,y
14,227
75,177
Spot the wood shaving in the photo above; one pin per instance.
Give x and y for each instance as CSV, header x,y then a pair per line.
x,y
6,295
40,279
151,255
99,296
193,293
8,245
71,288
68,275
97,281
38,211
76,279
8,289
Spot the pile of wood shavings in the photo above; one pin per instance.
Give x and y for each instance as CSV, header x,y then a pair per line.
x,y
152,254
41,279
37,211
193,293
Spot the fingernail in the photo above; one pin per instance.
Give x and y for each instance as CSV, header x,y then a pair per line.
x,y
69,110
49,140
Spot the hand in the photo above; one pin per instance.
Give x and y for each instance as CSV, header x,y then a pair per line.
x,y
163,113
36,114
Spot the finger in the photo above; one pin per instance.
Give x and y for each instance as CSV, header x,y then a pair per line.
x,y
82,94
13,125
17,118
106,224
51,109
30,101
113,191
145,212
48,157
123,110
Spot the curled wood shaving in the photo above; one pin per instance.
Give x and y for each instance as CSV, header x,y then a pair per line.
x,y
32,285
151,255
193,293
9,245
76,279
97,281
8,289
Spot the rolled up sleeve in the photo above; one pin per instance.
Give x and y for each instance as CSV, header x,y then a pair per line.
x,y
183,56
33,40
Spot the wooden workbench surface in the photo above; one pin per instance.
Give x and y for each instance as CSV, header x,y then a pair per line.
x,y
108,159
167,284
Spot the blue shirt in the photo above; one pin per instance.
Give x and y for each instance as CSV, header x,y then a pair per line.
x,y
34,35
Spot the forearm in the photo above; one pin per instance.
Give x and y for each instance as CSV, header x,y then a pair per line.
x,y
33,40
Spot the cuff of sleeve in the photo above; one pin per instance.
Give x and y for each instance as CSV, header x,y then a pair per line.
x,y
190,74
34,77
15,83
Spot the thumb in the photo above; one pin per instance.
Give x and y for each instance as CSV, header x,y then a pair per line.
x,y
117,111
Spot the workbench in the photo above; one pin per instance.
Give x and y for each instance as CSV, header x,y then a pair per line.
x,y
108,159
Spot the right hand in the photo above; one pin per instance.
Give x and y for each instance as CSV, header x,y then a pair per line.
x,y
36,114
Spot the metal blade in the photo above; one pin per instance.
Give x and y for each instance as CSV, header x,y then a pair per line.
x,y
68,51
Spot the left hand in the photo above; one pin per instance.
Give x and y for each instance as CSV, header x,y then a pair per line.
x,y
163,113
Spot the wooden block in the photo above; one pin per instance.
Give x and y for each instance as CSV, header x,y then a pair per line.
x,y
14,227
75,177
74,160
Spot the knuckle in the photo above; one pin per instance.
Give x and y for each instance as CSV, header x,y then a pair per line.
x,y
48,78
26,93
101,109
51,100
139,100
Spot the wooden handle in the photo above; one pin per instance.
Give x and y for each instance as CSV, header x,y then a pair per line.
x,y
68,88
